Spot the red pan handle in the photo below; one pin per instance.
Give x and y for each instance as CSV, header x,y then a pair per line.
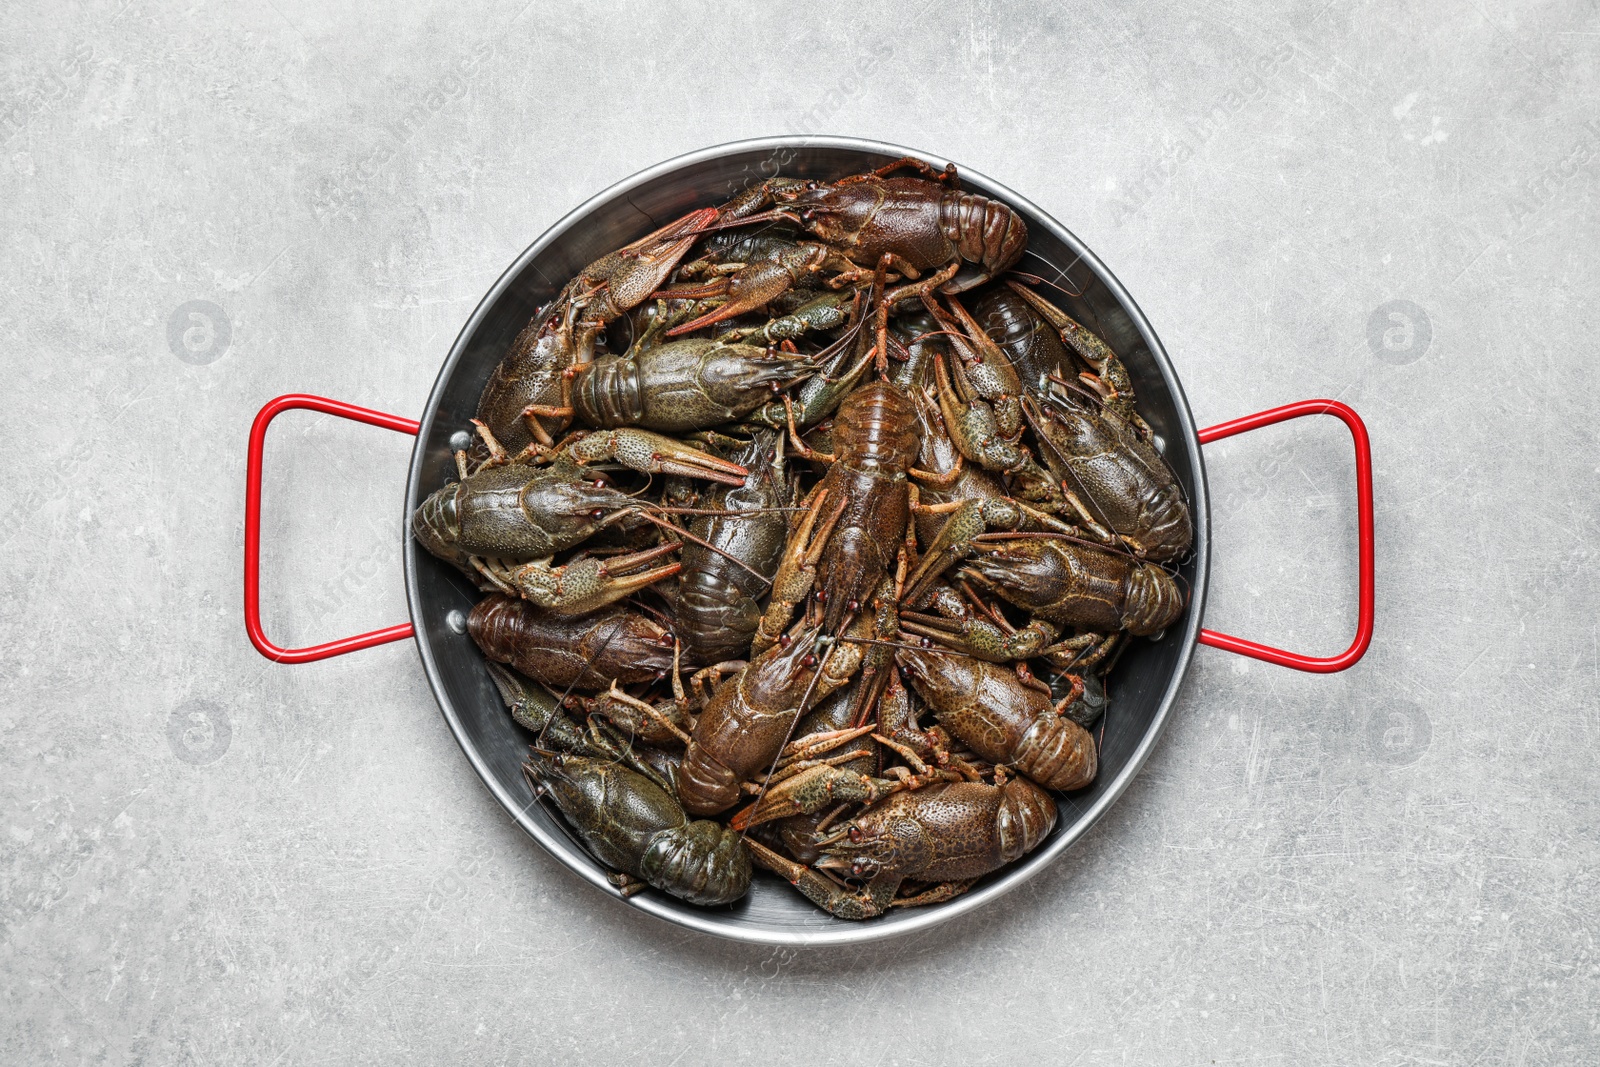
x,y
252,529
1358,432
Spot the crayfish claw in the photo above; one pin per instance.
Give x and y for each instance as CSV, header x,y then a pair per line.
x,y
653,453
581,587
813,789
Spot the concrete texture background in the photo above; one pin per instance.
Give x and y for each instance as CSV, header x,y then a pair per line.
x,y
208,859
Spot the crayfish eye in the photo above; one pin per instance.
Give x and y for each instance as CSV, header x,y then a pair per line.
x,y
855,835
598,513
810,660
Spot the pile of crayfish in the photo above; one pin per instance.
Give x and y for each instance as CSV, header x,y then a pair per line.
x,y
893,511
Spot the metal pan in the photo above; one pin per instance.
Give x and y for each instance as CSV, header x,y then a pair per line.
x,y
1146,680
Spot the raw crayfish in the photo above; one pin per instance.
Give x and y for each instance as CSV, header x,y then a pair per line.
x,y
897,545
622,808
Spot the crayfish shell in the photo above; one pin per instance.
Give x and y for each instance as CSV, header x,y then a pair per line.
x,y
584,652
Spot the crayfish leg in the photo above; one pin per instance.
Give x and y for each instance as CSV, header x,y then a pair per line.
x,y
946,174
497,453
935,895
802,449
627,884
827,894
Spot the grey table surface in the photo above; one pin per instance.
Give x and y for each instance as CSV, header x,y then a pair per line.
x,y
205,858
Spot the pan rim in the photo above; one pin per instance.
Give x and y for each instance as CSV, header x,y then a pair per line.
x,y
843,932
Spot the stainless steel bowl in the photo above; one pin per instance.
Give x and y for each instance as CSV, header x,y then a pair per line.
x,y
1146,680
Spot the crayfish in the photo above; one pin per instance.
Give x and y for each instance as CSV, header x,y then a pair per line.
x,y
824,567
